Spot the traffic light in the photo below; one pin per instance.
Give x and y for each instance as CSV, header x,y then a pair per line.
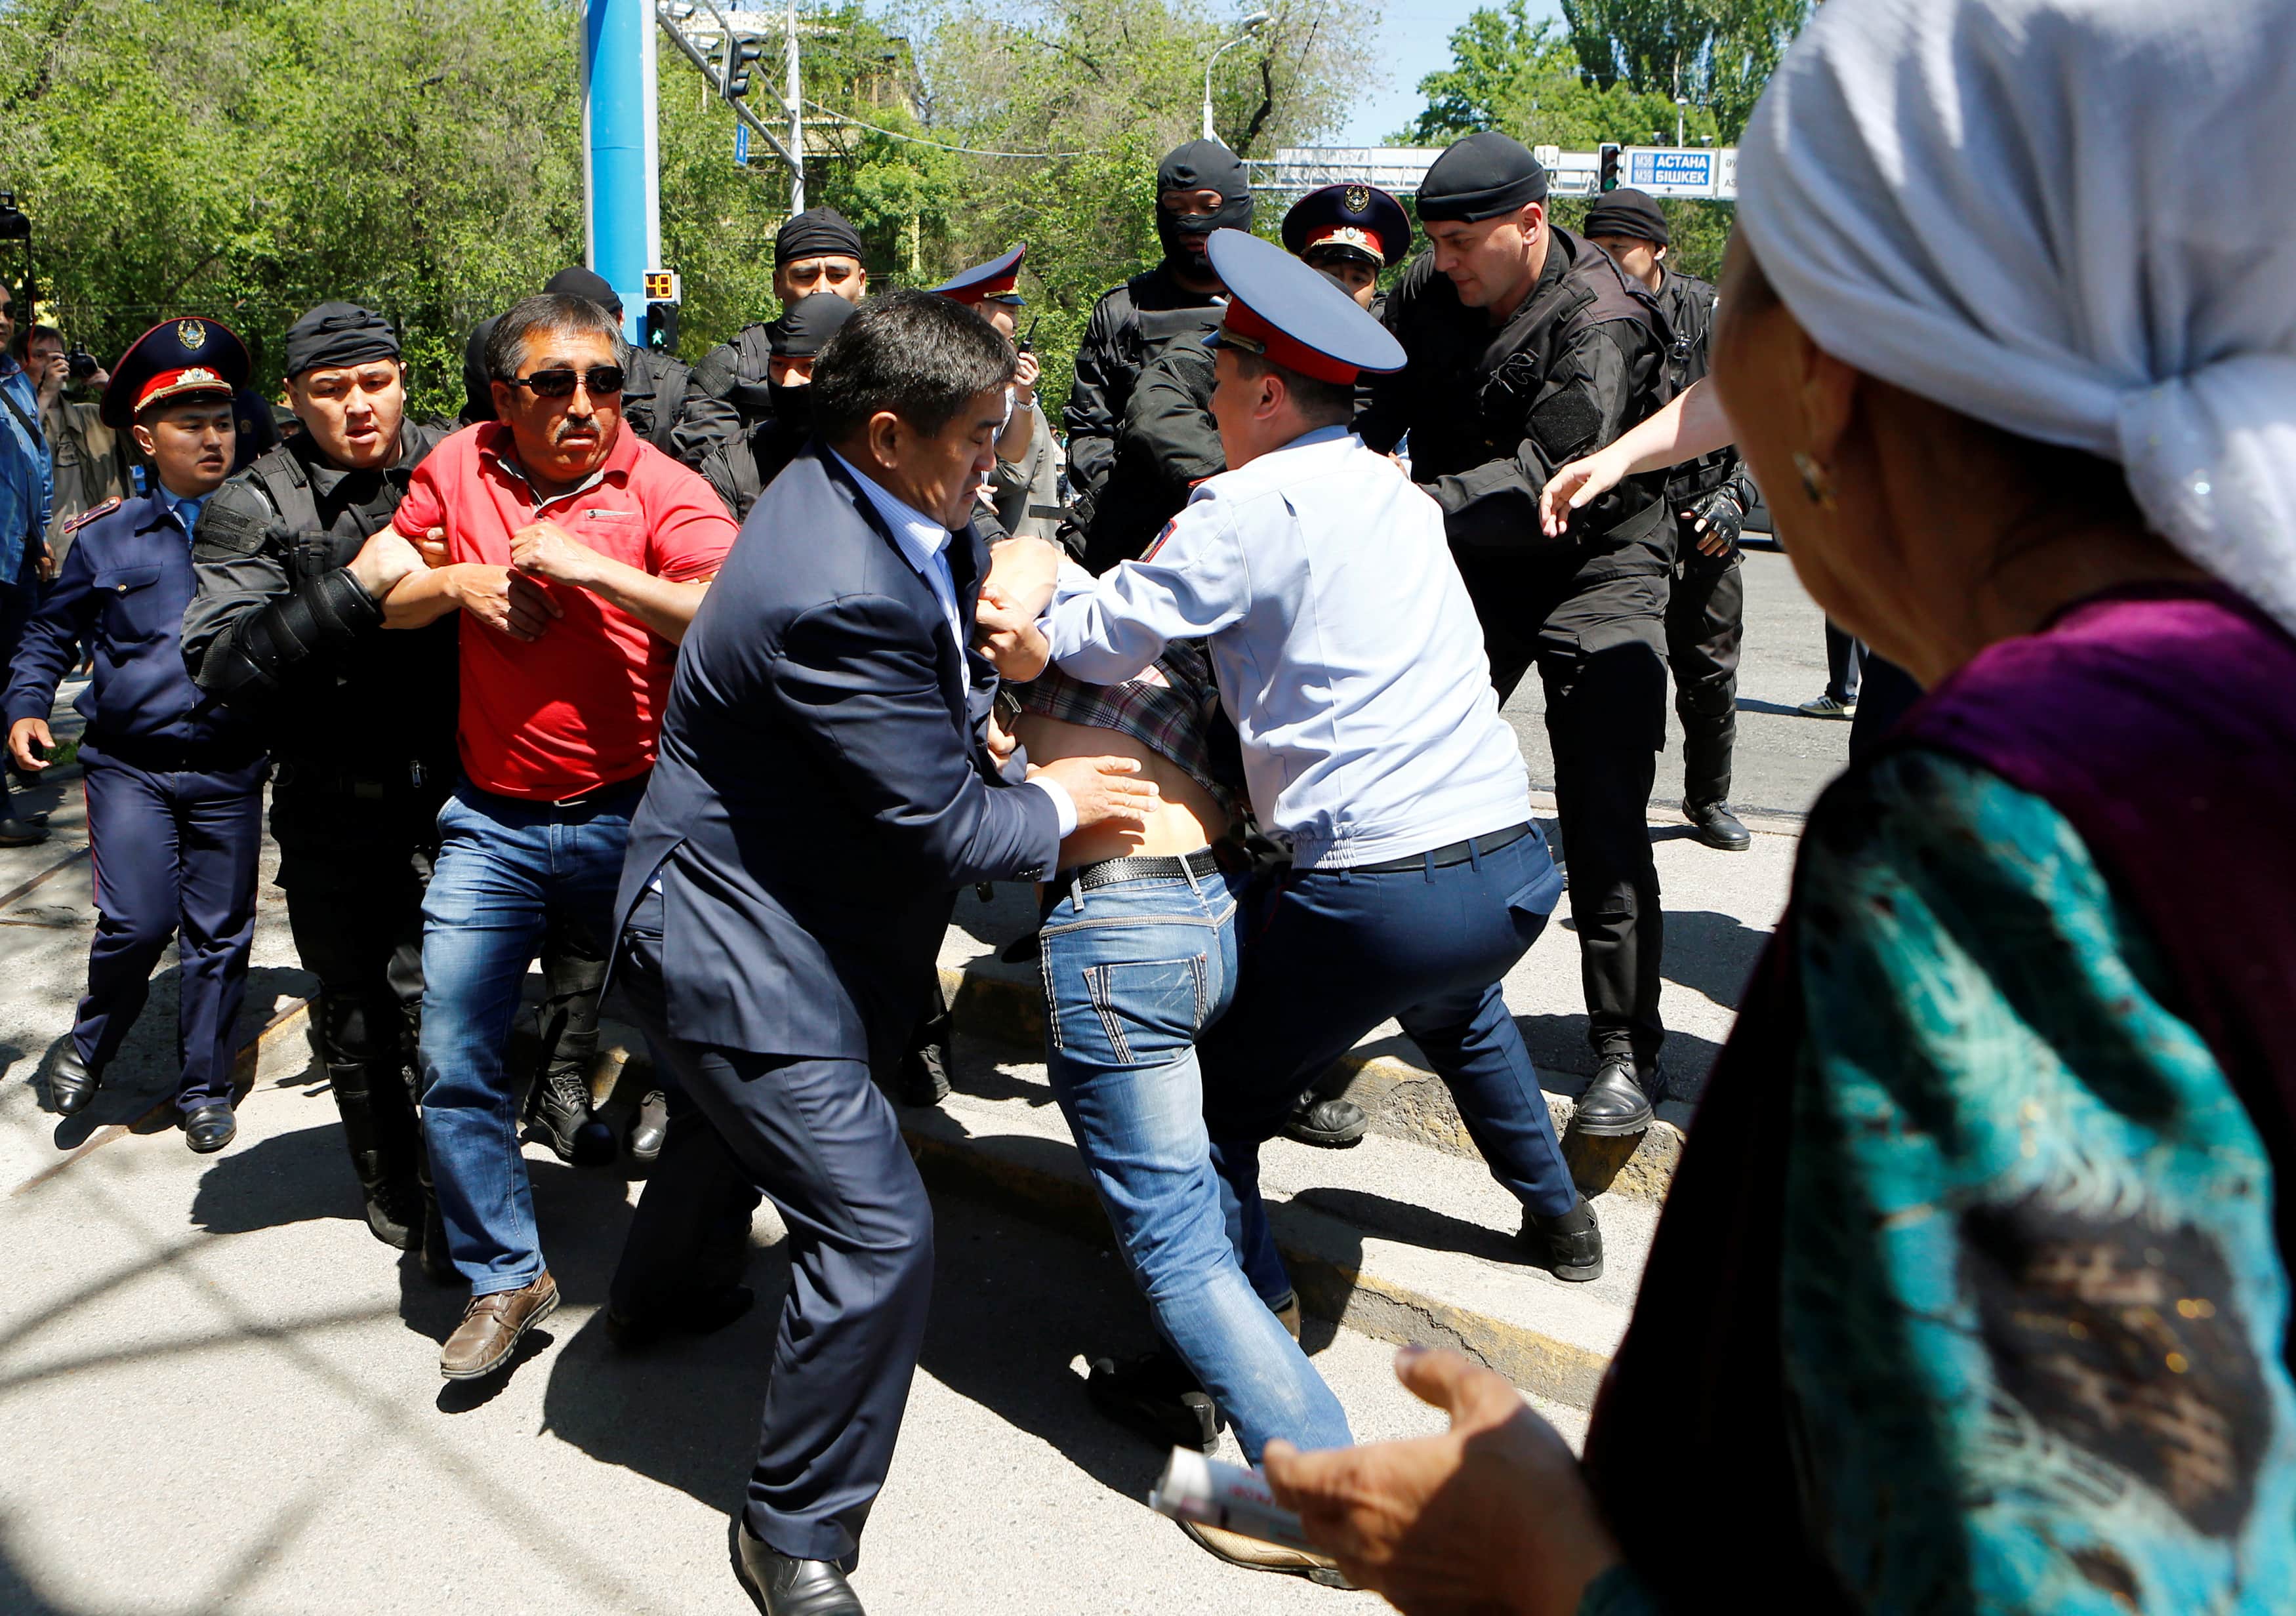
x,y
661,327
740,54
1606,167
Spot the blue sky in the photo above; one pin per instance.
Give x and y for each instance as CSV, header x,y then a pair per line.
x,y
1415,41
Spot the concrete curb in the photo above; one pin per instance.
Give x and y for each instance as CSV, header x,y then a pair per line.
x,y
1015,1174
1561,1356
1403,1100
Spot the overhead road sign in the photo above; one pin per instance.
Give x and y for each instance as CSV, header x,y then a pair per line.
x,y
1296,170
1681,170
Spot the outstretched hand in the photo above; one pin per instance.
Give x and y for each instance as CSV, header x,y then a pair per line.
x,y
1491,1516
1106,790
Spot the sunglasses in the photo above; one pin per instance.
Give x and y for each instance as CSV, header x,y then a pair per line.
x,y
601,380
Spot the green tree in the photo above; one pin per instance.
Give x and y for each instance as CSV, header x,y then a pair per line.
x,y
1718,52
1111,86
249,160
1524,78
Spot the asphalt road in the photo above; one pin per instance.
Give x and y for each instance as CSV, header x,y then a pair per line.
x,y
219,1394
1784,760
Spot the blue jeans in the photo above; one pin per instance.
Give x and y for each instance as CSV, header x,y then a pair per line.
x,y
1333,953
1133,972
505,867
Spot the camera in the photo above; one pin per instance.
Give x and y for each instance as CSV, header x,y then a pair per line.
x,y
13,225
81,363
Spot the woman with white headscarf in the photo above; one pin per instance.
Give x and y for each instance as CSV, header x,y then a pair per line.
x,y
1972,1290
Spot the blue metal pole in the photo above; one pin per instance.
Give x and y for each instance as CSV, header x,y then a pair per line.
x,y
618,123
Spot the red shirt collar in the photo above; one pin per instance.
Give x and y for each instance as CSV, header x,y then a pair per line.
x,y
496,442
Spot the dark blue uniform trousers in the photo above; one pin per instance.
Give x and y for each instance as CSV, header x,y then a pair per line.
x,y
817,1137
1328,955
172,850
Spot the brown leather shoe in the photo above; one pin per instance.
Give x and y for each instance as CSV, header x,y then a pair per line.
x,y
492,1325
1254,1556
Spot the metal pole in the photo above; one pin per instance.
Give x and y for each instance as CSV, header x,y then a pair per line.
x,y
620,190
796,99
1250,26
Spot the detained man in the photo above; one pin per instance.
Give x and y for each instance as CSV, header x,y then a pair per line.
x,y
577,555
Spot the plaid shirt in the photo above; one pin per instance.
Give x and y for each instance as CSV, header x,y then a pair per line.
x,y
1172,709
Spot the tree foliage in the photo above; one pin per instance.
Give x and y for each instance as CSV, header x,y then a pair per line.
x,y
1524,77
1609,72
1718,52
248,158
1111,86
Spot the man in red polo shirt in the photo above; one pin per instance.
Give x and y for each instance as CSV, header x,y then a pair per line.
x,y
577,553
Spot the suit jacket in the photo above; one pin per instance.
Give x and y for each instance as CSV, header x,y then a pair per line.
x,y
823,785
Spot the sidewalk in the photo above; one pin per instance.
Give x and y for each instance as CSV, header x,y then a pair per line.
x,y
220,1392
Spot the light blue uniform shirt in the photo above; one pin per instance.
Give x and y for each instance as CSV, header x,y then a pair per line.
x,y
1348,654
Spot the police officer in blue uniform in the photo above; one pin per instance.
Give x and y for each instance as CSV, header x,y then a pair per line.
x,y
174,783
1346,653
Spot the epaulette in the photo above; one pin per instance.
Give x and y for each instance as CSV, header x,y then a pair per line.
x,y
91,513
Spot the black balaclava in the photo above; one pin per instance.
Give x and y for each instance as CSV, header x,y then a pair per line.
x,y
803,329
1200,165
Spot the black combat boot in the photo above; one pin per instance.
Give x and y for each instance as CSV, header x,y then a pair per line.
x,y
1615,1103
384,1140
559,1112
1716,827
1570,1244
1334,1124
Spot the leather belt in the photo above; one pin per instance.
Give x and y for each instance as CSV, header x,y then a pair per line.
x,y
1443,858
1146,867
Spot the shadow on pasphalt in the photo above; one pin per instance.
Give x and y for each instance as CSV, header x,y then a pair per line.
x,y
1710,953
142,1077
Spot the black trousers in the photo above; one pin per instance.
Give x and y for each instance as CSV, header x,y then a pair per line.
x,y
1599,642
353,868
1843,654
819,1139
1705,619
173,851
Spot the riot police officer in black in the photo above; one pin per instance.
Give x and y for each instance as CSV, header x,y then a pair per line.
x,y
817,253
1710,496
740,468
1201,187
292,558
1527,347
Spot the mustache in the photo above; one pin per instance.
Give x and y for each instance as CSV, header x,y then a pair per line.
x,y
572,423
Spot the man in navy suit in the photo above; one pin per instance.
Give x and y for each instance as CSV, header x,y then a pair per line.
x,y
829,776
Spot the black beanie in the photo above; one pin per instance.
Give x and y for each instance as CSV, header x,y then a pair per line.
x,y
338,333
587,284
1480,177
817,233
1632,214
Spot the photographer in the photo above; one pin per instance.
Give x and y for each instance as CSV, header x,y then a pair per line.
x,y
91,463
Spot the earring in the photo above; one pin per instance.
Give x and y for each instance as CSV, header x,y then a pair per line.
x,y
1816,487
